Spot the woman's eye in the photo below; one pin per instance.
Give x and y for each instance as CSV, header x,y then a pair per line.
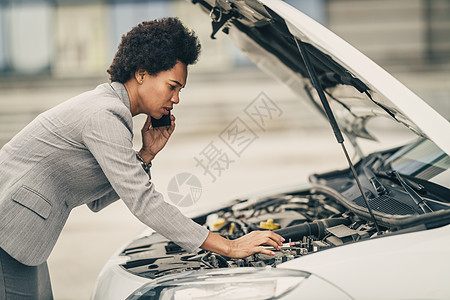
x,y
172,87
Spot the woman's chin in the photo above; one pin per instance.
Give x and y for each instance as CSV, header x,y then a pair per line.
x,y
156,116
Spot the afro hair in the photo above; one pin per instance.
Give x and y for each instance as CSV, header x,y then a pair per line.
x,y
154,46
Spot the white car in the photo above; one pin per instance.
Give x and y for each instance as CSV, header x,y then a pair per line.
x,y
377,230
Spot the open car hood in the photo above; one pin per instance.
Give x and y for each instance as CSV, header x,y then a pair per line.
x,y
356,88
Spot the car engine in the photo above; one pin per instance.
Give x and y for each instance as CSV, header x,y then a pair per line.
x,y
310,221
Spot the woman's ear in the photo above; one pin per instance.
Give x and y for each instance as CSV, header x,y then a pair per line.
x,y
139,76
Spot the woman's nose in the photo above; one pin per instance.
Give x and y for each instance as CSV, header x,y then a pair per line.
x,y
176,98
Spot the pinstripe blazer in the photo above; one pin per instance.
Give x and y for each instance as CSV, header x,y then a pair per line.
x,y
79,152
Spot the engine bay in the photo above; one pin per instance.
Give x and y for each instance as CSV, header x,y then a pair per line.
x,y
310,221
328,213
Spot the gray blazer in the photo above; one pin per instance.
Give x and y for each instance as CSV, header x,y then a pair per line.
x,y
79,152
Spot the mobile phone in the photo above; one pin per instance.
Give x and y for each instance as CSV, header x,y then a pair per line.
x,y
163,121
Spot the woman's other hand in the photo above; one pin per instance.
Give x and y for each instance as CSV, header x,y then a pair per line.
x,y
244,246
250,243
154,139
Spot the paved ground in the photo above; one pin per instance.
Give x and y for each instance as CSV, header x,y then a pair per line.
x,y
284,154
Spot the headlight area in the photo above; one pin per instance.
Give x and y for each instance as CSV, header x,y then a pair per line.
x,y
235,283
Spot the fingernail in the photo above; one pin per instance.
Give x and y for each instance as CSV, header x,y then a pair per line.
x,y
279,247
282,239
273,253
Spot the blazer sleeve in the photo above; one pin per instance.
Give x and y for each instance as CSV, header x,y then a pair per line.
x,y
103,202
109,139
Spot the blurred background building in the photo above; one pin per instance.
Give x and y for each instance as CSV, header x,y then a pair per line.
x,y
78,38
72,42
51,50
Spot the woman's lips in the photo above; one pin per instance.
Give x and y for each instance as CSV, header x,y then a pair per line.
x,y
166,110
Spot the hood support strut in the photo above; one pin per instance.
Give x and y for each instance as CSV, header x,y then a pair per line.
x,y
332,120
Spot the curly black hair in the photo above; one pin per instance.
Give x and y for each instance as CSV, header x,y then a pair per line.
x,y
154,46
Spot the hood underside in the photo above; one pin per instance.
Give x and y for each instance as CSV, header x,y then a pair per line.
x,y
356,88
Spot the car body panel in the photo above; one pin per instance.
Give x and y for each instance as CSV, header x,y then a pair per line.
x,y
114,282
391,267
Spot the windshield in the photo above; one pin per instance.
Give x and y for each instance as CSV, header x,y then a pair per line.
x,y
423,160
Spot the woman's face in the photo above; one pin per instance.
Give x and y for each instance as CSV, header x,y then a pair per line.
x,y
157,94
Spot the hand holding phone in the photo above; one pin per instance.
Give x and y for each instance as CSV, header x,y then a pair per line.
x,y
153,140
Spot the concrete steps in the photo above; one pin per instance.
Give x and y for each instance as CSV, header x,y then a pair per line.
x,y
394,32
208,104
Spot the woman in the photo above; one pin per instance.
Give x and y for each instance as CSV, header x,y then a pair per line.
x,y
80,152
